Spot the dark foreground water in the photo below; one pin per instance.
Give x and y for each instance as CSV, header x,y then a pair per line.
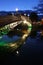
x,y
31,51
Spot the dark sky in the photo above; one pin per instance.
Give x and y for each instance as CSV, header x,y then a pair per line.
x,y
11,5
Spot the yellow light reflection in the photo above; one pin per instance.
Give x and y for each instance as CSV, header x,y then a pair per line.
x,y
24,22
24,36
12,45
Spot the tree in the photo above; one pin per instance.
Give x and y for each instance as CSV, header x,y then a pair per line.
x,y
34,17
39,7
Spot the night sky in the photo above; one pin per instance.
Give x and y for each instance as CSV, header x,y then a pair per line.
x,y
11,5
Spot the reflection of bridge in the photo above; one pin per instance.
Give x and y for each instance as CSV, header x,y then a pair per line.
x,y
19,42
9,27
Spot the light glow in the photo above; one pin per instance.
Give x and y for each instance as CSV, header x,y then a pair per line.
x,y
17,9
24,22
17,52
12,45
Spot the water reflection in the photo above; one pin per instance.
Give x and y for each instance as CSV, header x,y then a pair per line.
x,y
8,39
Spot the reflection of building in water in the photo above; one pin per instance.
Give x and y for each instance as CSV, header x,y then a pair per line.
x,y
7,28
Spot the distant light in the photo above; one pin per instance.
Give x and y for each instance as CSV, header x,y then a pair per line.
x,y
12,45
17,52
28,15
25,14
16,9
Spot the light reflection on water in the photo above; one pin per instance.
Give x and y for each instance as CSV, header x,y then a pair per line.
x,y
7,39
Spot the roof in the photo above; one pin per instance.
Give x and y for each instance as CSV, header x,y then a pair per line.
x,y
4,20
